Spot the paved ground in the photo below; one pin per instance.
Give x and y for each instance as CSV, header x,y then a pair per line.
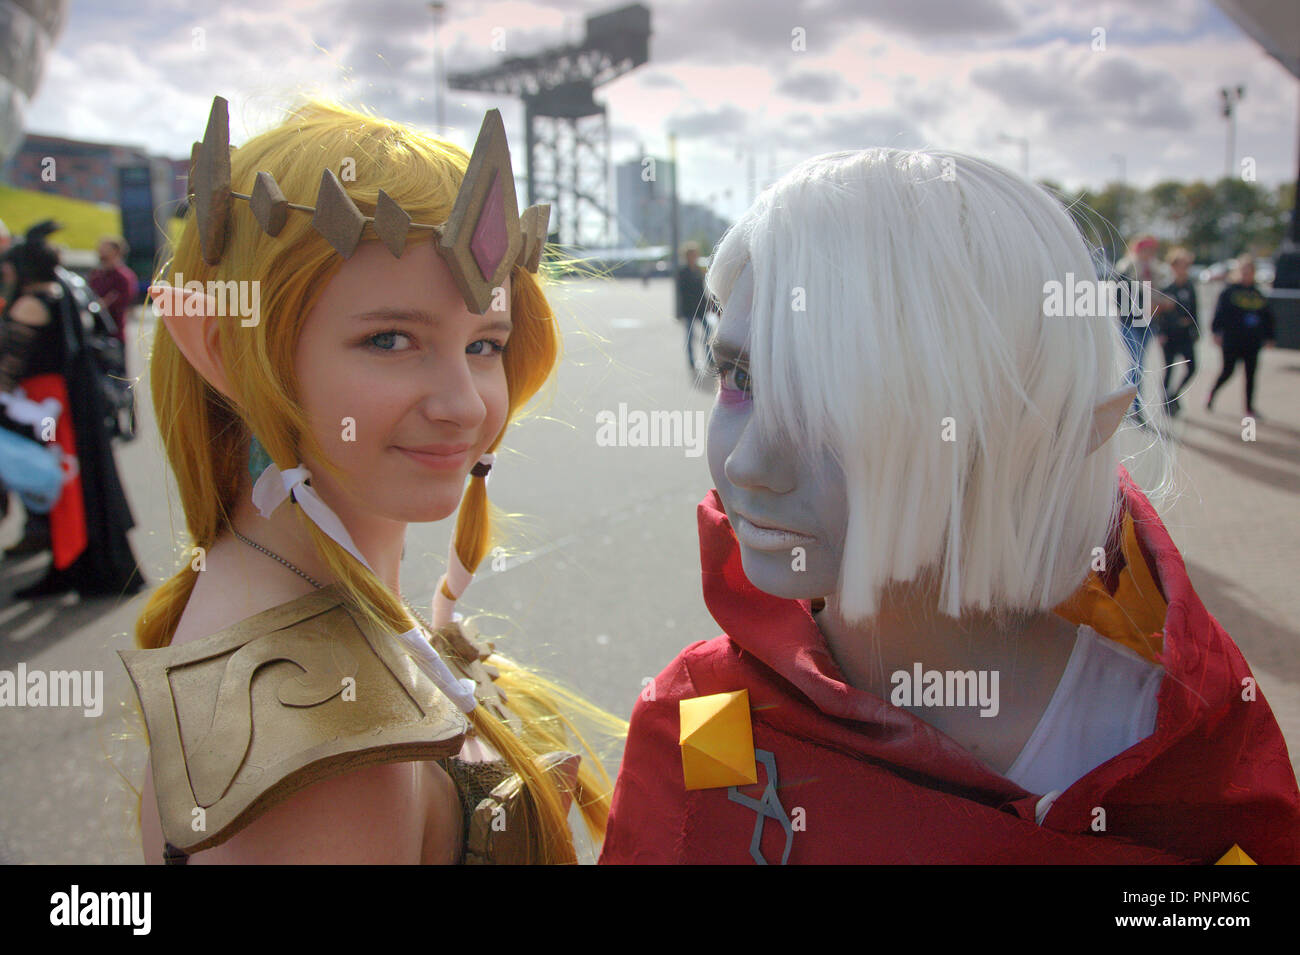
x,y
604,586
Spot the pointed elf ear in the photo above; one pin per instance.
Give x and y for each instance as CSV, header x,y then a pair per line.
x,y
191,317
1108,414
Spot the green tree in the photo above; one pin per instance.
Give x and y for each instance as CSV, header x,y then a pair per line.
x,y
1214,221
1108,218
1166,204
1203,234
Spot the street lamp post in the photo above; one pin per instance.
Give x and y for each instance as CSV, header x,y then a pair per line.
x,y
672,200
438,8
1120,163
1231,97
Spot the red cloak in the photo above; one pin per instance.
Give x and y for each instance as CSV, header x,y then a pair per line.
x,y
68,518
874,784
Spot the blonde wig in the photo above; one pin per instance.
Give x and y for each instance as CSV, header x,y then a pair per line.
x,y
899,323
206,436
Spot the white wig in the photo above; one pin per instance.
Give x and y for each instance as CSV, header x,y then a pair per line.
x,y
894,290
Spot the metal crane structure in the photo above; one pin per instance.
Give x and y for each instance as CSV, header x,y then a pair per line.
x,y
566,130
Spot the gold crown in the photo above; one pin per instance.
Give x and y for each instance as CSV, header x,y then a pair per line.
x,y
481,241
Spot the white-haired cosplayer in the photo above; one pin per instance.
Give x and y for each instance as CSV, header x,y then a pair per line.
x,y
953,626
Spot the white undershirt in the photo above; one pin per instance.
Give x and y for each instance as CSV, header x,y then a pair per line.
x,y
1105,703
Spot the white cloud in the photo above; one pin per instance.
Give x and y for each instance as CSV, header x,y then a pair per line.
x,y
723,74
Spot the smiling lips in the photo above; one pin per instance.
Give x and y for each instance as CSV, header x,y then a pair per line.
x,y
438,457
763,537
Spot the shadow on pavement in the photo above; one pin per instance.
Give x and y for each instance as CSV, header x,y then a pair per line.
x,y
32,626
1263,643
1265,428
1244,458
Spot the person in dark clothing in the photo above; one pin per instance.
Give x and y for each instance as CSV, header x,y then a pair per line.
x,y
1140,265
690,298
1243,324
1176,326
43,351
22,348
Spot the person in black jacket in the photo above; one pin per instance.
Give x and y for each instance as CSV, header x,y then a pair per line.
x,y
1243,324
690,298
1176,319
43,350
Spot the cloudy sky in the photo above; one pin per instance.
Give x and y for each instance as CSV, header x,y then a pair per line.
x,y
723,74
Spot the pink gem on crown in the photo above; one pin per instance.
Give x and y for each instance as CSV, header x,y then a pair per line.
x,y
490,237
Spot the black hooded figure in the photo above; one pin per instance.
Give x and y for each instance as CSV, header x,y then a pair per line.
x,y
35,354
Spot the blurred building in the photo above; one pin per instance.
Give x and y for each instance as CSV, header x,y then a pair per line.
x,y
85,170
642,202
28,29
144,188
645,204
700,223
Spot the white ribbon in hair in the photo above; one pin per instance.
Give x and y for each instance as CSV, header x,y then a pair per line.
x,y
274,487
460,691
458,577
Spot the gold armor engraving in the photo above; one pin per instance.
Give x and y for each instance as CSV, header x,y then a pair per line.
x,y
244,718
326,667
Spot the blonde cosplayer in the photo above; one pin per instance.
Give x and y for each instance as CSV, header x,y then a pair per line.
x,y
960,414
292,257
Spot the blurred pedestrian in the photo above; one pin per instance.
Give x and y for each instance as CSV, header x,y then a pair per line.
x,y
1140,265
6,280
43,350
1176,321
690,297
114,283
1243,324
6,284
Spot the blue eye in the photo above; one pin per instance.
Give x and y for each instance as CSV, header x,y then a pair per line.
x,y
386,341
492,348
732,376
739,378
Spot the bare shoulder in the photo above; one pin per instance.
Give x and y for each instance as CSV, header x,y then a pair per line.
x,y
377,815
235,586
29,310
396,813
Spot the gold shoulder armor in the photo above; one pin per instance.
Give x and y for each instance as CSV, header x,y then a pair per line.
x,y
242,719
